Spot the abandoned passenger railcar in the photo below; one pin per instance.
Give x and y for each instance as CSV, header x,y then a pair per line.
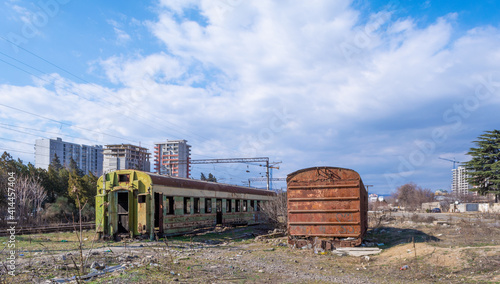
x,y
136,203
327,207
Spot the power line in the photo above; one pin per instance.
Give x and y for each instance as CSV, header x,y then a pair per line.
x,y
117,109
6,55
41,58
55,133
83,80
65,123
70,85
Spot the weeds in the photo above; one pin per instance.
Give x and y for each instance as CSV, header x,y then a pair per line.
x,y
422,219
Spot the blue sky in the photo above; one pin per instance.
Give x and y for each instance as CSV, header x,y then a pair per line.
x,y
382,87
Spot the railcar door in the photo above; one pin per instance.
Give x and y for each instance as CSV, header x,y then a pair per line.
x,y
219,211
123,220
159,212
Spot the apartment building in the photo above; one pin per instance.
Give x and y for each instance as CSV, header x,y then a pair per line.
x,y
125,156
88,158
459,184
172,158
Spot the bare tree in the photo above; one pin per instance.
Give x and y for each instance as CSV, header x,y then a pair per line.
x,y
276,210
411,196
30,195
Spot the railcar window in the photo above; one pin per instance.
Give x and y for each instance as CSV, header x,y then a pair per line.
x,y
228,205
124,178
141,199
170,205
208,205
196,205
245,209
237,207
218,205
187,205
258,205
252,205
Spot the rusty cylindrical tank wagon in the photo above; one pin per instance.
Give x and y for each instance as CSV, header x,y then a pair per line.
x,y
327,207
135,203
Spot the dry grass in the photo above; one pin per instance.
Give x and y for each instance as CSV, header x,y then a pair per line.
x,y
463,251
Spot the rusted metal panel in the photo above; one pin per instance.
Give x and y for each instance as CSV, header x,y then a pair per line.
x,y
328,203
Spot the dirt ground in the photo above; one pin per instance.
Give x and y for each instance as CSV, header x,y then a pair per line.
x,y
415,249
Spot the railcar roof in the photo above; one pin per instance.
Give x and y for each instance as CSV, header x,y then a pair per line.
x,y
291,175
205,185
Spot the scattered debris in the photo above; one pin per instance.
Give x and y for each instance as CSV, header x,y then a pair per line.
x,y
275,234
357,251
91,275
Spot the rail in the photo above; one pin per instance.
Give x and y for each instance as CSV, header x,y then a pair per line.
x,y
27,230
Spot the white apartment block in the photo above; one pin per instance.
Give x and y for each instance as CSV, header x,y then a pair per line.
x,y
126,156
88,158
172,158
459,184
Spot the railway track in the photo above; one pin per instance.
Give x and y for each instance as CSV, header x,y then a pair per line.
x,y
27,230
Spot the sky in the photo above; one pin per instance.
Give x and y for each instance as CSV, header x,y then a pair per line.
x,y
387,88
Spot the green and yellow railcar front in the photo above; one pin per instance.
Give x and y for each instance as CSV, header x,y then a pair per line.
x,y
123,204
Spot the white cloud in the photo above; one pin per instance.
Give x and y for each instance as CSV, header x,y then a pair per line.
x,y
121,36
303,82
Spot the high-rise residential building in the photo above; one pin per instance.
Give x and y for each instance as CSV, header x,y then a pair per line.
x,y
459,184
126,156
88,158
172,158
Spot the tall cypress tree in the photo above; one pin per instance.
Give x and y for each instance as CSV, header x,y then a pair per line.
x,y
484,167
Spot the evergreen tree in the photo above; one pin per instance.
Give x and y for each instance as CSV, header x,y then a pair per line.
x,y
5,161
484,167
56,163
211,178
76,188
61,210
8,164
203,177
55,187
90,184
63,180
73,167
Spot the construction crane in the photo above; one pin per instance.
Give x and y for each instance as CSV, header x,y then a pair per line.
x,y
453,161
240,160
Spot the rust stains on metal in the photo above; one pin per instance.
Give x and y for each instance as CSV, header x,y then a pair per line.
x,y
326,206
